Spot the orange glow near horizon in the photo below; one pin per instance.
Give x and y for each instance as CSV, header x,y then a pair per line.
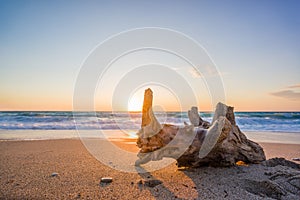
x,y
167,102
237,107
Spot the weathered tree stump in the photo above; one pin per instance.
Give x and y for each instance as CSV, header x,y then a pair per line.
x,y
220,143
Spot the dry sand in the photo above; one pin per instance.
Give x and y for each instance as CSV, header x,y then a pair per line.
x,y
26,168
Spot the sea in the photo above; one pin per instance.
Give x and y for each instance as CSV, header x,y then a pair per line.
x,y
13,121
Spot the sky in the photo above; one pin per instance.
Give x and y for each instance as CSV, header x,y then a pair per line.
x,y
254,44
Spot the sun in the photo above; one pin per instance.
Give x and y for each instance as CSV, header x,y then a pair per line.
x,y
135,104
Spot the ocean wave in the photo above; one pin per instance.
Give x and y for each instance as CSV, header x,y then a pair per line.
x,y
247,121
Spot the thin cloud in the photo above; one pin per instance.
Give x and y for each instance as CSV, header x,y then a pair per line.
x,y
287,94
194,73
294,86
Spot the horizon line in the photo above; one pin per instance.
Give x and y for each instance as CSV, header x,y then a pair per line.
x,y
140,111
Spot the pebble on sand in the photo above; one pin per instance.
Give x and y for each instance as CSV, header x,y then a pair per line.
x,y
149,183
106,180
54,174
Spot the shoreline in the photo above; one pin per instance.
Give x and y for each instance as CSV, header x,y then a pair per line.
x,y
35,135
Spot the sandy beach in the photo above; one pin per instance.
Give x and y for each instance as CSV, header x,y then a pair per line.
x,y
26,168
142,100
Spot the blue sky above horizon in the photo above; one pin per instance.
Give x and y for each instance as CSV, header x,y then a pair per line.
x,y
255,45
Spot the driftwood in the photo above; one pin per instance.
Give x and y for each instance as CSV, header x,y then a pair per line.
x,y
220,143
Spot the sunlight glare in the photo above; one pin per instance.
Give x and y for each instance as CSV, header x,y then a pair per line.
x,y
135,104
